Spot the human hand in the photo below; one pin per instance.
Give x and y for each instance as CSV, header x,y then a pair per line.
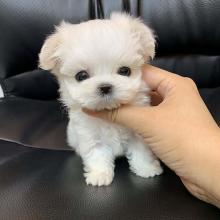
x,y
179,129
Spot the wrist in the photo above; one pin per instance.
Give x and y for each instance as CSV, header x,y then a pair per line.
x,y
203,179
201,193
213,187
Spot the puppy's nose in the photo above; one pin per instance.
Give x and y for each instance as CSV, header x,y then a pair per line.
x,y
105,89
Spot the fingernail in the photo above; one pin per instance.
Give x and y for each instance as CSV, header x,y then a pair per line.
x,y
88,111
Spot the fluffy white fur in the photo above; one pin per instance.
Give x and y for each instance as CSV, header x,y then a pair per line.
x,y
101,47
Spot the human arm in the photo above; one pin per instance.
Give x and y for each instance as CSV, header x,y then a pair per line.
x,y
179,129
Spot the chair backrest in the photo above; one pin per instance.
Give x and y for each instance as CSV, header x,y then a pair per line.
x,y
188,38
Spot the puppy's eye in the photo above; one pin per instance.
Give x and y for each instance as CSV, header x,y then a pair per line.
x,y
124,71
82,75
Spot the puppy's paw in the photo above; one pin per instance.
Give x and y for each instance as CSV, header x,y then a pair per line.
x,y
148,170
99,178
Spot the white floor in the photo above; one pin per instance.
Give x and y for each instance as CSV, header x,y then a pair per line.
x,y
1,92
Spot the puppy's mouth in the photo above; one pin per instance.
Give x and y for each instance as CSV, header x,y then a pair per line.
x,y
109,102
106,102
108,105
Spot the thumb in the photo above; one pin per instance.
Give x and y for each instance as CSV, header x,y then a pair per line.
x,y
134,117
159,80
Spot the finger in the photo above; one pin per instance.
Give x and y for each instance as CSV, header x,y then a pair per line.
x,y
129,116
158,79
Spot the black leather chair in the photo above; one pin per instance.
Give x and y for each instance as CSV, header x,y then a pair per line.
x,y
40,178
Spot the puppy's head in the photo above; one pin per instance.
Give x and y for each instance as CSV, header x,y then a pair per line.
x,y
98,63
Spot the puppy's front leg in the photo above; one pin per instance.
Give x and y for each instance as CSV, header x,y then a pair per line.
x,y
99,166
141,160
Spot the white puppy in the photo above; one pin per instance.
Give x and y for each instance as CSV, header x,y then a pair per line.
x,y
98,66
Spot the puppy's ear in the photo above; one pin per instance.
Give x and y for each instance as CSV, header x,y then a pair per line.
x,y
140,31
47,55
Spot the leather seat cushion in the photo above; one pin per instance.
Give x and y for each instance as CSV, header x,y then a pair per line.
x,y
49,184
